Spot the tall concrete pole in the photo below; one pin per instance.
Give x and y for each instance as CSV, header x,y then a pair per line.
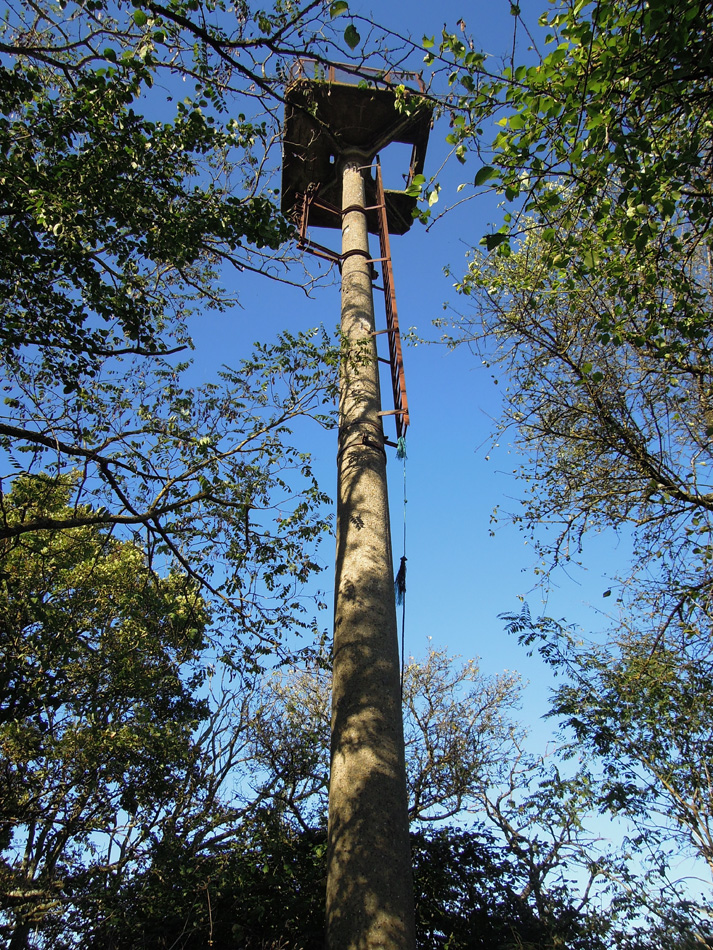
x,y
369,887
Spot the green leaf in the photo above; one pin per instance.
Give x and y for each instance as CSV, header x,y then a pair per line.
x,y
590,258
485,174
140,18
351,36
338,8
492,241
414,189
427,42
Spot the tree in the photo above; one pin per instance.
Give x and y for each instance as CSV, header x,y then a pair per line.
x,y
114,224
594,296
264,887
268,890
99,681
642,709
593,301
506,879
207,474
473,893
457,734
116,227
612,433
616,114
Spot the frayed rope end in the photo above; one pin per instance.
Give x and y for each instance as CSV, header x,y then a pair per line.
x,y
400,582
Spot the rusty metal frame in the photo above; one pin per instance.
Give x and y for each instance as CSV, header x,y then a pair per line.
x,y
398,379
400,412
305,243
331,73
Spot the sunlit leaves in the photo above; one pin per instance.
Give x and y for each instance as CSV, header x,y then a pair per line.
x,y
197,469
97,197
609,410
618,110
99,665
643,708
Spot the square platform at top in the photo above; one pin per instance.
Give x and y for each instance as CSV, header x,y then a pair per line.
x,y
326,118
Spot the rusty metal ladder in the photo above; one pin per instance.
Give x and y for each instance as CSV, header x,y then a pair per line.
x,y
400,412
395,361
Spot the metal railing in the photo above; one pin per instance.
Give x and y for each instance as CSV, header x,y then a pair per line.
x,y
313,70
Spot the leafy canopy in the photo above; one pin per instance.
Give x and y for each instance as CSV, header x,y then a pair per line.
x,y
99,678
593,293
134,144
604,145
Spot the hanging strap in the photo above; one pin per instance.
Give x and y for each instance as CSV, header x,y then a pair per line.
x,y
400,581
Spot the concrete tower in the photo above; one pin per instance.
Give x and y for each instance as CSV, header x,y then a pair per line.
x,y
333,131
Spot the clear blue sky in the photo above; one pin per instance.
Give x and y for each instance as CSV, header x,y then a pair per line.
x,y
459,576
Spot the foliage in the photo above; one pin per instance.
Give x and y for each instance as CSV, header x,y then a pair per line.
x,y
643,710
612,434
457,734
600,311
458,731
605,138
594,296
268,890
208,474
600,317
99,681
265,887
116,227
115,224
515,869
647,718
471,892
593,301
122,210
236,853
112,222
108,236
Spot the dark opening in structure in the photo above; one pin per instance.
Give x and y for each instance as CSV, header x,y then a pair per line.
x,y
338,112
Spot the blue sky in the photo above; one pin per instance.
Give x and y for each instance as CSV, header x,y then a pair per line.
x,y
461,572
461,575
